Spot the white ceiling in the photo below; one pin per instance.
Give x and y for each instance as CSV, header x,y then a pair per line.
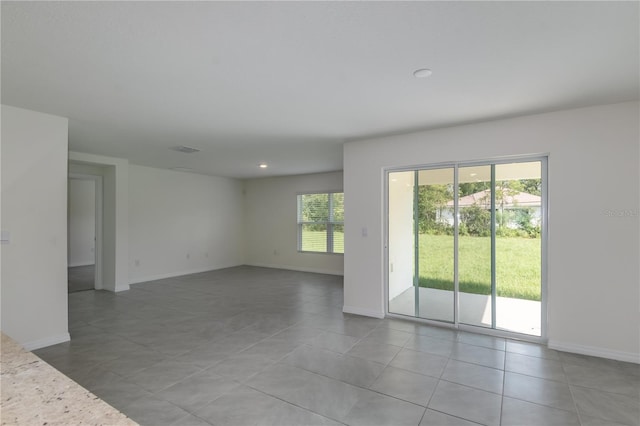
x,y
288,82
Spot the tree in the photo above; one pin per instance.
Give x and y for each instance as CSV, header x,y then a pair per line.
x,y
432,199
476,221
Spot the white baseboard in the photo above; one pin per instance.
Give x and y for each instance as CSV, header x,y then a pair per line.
x,y
179,273
297,268
122,288
47,341
74,265
364,312
594,351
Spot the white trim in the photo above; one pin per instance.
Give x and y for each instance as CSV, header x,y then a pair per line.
x,y
47,341
364,312
75,265
297,268
595,351
175,274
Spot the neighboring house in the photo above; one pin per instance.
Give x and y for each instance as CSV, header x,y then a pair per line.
x,y
509,205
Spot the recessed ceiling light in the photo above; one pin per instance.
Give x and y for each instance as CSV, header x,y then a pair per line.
x,y
422,73
263,165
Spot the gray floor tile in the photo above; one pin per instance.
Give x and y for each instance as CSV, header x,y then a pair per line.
x,y
241,367
436,418
490,342
607,406
478,355
163,374
325,396
334,342
374,350
522,413
534,366
419,362
298,334
352,370
473,375
608,380
531,349
600,363
152,411
430,345
539,391
468,403
120,392
197,391
374,409
271,348
207,355
191,340
593,421
389,336
402,384
130,364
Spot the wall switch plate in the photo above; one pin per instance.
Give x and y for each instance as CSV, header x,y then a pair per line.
x,y
5,237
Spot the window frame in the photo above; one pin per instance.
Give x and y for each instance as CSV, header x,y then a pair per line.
x,y
330,223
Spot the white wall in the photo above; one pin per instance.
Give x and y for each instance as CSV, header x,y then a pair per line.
x,y
593,276
34,212
271,222
181,223
82,222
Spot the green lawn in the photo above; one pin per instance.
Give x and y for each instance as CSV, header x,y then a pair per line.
x,y
517,265
317,241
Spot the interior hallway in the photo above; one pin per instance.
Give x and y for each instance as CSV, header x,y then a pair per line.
x,y
251,345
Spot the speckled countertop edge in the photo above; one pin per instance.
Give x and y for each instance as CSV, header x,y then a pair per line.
x,y
34,393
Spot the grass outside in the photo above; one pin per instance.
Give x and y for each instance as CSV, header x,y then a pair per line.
x,y
317,241
517,265
517,262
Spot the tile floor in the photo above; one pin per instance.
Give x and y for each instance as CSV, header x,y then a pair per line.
x,y
245,346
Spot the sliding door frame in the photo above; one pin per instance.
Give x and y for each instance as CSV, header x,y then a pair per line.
x,y
543,159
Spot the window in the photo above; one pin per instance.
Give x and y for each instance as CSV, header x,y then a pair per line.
x,y
321,222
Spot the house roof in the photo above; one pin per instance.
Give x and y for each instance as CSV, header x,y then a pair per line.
x,y
483,199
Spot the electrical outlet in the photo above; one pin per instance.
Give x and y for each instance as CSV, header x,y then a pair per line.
x,y
188,256
275,252
137,262
206,254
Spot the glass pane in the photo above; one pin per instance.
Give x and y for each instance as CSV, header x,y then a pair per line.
x,y
338,238
314,208
474,245
401,244
314,237
518,247
338,207
436,226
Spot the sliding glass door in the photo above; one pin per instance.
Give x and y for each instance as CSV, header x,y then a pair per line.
x,y
465,244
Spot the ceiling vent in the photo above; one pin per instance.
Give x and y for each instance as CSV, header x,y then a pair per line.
x,y
185,149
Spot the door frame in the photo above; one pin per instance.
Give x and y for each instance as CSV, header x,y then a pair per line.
x,y
544,168
97,283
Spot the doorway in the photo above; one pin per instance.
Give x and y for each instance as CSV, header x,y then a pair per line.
x,y
84,232
466,244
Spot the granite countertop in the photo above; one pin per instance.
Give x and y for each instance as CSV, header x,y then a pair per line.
x,y
34,393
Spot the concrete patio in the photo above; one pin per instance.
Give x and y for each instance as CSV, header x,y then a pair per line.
x,y
516,315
